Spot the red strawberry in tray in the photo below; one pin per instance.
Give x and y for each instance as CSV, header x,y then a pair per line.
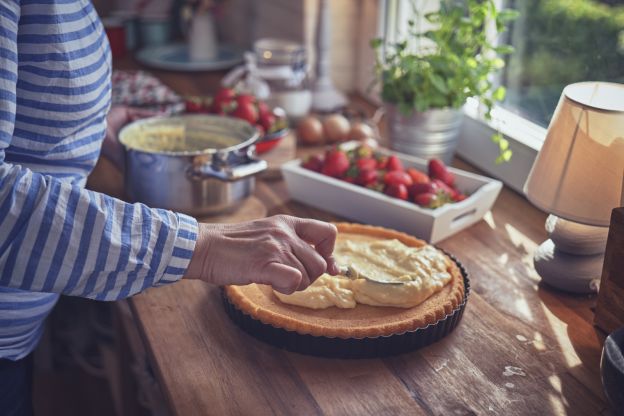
x,y
418,176
394,163
397,191
438,170
314,163
396,177
445,188
336,163
366,163
367,177
423,188
427,200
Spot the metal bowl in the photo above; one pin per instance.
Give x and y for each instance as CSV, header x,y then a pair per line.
x,y
197,164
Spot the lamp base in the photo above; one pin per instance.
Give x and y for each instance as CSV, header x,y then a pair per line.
x,y
571,260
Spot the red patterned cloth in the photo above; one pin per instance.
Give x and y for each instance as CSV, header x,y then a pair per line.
x,y
142,89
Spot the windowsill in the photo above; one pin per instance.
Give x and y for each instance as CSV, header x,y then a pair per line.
x,y
525,141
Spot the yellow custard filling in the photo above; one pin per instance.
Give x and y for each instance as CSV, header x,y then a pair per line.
x,y
421,271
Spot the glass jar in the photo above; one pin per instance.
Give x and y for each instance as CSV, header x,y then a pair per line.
x,y
282,65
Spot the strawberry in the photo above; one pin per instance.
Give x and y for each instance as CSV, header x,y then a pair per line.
x,y
394,163
314,163
423,188
267,120
193,106
382,162
452,192
245,99
225,94
459,197
246,112
263,109
367,177
438,170
336,163
397,191
396,177
427,200
366,163
223,101
418,176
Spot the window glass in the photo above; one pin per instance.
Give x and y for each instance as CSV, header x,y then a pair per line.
x,y
559,42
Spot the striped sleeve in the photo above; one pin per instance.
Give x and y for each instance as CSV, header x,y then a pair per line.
x,y
103,248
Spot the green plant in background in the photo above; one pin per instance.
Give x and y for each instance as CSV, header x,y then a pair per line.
x,y
559,42
442,67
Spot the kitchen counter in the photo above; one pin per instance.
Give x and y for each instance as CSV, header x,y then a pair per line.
x,y
520,349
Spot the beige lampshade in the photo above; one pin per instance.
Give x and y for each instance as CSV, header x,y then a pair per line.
x,y
578,174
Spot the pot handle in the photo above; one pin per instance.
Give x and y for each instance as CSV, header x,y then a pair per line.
x,y
206,171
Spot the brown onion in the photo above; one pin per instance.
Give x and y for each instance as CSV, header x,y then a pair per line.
x,y
310,131
336,128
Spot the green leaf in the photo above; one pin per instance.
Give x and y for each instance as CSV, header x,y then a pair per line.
x,y
503,144
498,63
376,43
508,15
433,17
438,83
504,157
504,49
499,93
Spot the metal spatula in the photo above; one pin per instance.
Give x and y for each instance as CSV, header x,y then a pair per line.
x,y
353,274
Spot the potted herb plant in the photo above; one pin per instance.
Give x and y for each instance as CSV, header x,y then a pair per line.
x,y
427,77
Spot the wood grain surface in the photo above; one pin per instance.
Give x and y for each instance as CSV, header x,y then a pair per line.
x,y
521,349
285,150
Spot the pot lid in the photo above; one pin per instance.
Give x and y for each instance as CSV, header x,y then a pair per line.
x,y
188,135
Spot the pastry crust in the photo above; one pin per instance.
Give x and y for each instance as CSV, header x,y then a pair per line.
x,y
363,321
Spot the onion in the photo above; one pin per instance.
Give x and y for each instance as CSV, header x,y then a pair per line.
x,y
336,128
360,131
310,131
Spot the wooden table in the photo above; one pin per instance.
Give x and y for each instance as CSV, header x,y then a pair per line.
x,y
521,349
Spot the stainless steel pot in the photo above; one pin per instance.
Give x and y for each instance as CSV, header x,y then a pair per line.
x,y
162,171
430,134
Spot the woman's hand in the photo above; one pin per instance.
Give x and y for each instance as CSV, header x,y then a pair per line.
x,y
286,252
117,117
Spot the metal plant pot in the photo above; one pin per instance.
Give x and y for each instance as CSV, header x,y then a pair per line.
x,y
430,134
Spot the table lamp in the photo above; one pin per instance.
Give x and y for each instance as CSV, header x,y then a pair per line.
x,y
577,177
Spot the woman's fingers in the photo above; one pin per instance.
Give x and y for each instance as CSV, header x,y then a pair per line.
x,y
314,264
323,236
285,279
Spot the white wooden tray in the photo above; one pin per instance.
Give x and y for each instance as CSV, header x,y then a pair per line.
x,y
370,207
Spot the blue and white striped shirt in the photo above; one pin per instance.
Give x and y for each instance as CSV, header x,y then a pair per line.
x,y
56,237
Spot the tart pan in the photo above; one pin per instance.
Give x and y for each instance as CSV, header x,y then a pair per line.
x,y
369,347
